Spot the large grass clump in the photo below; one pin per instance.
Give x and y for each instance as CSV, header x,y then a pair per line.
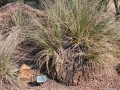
x,y
74,40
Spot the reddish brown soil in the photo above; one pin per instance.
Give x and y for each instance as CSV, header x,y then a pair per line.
x,y
104,82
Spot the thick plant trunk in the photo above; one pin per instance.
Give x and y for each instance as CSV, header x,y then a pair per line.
x,y
70,68
116,7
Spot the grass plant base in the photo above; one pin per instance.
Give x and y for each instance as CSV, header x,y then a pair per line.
x,y
71,67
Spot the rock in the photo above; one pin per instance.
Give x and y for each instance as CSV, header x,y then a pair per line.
x,y
26,73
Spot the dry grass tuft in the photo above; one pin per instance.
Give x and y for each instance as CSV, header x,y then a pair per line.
x,y
8,67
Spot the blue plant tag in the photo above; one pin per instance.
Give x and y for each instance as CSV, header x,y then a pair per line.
x,y
41,78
